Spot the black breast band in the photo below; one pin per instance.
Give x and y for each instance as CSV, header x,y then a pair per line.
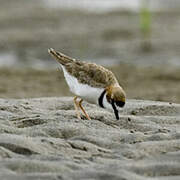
x,y
100,100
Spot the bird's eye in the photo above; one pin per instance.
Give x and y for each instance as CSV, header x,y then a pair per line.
x,y
120,103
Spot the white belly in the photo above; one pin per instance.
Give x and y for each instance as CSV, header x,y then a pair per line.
x,y
84,91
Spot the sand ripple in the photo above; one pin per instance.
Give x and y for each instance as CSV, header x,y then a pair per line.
x,y
43,139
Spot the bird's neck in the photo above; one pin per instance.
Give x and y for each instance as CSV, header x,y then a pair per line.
x,y
101,99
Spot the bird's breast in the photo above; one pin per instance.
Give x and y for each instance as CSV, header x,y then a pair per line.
x,y
86,92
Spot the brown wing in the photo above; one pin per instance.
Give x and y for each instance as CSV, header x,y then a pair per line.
x,y
86,73
91,74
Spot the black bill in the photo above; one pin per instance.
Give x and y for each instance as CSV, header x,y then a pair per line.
x,y
115,110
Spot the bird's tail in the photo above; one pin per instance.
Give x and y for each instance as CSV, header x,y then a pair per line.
x,y
61,58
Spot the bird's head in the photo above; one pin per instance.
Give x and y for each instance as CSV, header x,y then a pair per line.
x,y
116,97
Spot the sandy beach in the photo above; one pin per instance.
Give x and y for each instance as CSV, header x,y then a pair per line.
x,y
40,136
42,139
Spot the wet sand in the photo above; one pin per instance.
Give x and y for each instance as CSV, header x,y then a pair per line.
x,y
42,139
149,83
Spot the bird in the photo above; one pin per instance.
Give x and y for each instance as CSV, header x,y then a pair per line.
x,y
91,82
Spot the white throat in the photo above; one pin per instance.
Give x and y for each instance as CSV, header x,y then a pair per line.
x,y
105,103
